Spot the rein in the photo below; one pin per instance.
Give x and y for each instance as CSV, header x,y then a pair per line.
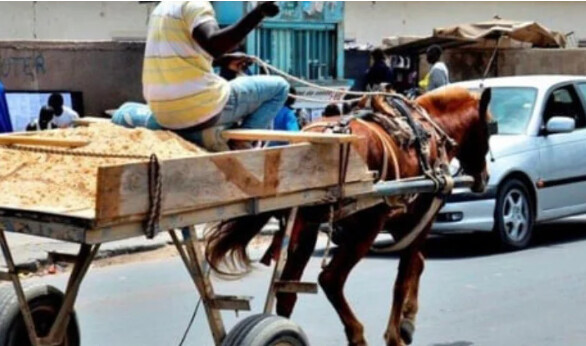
x,y
360,95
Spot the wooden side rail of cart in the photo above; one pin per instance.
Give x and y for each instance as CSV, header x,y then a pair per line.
x,y
223,186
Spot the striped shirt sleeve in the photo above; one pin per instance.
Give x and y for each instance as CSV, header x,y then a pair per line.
x,y
195,13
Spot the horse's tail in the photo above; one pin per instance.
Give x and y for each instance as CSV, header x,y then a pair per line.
x,y
226,243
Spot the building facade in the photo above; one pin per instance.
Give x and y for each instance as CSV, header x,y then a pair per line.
x,y
371,21
364,21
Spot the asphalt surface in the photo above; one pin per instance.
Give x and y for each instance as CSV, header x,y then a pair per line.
x,y
470,295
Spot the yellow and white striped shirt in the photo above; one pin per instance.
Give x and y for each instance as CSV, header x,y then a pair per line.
x,y
178,80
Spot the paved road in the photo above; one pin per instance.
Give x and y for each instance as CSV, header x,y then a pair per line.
x,y
470,296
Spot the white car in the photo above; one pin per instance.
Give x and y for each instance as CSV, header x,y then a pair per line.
x,y
538,162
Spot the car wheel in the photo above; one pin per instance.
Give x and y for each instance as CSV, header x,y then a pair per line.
x,y
514,217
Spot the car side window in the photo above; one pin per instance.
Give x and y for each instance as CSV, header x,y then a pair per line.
x,y
565,102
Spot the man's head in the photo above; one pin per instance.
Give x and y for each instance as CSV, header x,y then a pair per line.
x,y
56,102
332,110
433,53
378,55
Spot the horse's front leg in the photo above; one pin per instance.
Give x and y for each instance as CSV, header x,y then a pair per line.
x,y
360,236
401,326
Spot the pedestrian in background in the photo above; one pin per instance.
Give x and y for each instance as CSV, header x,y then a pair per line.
x,y
286,119
438,75
379,72
44,122
331,110
63,115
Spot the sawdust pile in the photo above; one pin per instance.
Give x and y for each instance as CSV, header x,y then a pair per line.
x,y
68,183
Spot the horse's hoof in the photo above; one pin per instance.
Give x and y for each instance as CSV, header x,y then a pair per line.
x,y
360,343
407,330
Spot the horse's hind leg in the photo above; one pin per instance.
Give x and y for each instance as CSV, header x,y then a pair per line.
x,y
411,305
360,237
302,244
401,324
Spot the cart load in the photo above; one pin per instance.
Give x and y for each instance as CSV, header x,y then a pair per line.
x,y
34,177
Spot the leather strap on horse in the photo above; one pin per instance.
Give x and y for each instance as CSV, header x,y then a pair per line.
x,y
407,240
388,150
423,157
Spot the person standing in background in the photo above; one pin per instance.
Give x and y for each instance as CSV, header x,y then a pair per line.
x,y
438,75
44,122
63,115
286,119
379,72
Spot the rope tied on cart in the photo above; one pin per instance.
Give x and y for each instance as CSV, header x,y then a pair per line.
x,y
151,227
155,187
54,151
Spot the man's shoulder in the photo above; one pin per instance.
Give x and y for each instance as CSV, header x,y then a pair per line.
x,y
70,112
439,66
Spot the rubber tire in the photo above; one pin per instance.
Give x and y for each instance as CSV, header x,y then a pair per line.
x,y
265,330
504,241
39,297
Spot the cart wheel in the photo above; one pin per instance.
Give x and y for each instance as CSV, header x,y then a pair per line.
x,y
44,302
266,330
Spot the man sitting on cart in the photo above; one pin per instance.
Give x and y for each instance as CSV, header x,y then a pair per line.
x,y
179,83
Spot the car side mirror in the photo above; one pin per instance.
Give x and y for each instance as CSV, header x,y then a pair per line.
x,y
560,125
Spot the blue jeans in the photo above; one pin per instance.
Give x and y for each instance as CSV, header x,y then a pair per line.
x,y
253,104
254,101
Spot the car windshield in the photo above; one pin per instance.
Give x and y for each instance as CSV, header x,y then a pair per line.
x,y
512,107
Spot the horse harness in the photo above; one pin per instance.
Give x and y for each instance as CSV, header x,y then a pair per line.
x,y
407,132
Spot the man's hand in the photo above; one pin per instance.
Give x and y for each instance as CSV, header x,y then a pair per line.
x,y
236,62
268,8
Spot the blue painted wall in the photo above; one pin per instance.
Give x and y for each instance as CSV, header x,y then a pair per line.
x,y
294,16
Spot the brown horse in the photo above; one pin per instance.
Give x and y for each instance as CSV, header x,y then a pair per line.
x,y
463,116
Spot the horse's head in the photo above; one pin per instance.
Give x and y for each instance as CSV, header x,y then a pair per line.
x,y
466,119
475,145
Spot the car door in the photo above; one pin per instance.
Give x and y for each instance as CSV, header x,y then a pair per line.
x,y
563,163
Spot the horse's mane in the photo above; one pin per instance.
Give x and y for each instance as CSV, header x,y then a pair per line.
x,y
447,100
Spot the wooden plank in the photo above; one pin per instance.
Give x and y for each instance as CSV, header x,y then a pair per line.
x,y
55,230
81,230
280,262
234,303
295,287
204,285
86,121
134,226
42,141
196,182
288,136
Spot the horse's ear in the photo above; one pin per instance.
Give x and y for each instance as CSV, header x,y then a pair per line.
x,y
484,101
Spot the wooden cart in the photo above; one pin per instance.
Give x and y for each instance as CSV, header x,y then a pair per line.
x,y
195,190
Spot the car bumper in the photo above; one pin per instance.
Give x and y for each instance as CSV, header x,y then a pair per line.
x,y
464,213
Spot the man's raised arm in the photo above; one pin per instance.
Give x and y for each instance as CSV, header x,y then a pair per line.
x,y
218,41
